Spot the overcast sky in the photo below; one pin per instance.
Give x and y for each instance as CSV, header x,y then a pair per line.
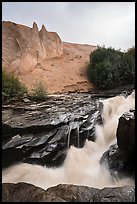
x,y
95,23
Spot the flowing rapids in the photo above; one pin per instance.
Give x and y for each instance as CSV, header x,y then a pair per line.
x,y
82,165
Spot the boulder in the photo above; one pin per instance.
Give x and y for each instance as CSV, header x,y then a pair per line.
x,y
120,157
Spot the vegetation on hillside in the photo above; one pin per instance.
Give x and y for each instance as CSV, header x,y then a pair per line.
x,y
39,92
12,88
110,68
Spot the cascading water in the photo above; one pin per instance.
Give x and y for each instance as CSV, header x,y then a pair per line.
x,y
72,126
82,165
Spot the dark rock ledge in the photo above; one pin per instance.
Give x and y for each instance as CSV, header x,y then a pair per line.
x,y
23,192
120,157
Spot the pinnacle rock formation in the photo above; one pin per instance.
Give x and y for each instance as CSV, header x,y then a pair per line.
x,y
41,56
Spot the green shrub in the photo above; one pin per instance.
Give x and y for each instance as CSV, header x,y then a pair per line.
x,y
131,51
127,68
39,92
109,68
12,88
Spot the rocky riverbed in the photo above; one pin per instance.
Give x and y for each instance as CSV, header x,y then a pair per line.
x,y
41,133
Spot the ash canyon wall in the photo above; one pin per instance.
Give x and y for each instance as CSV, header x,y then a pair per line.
x,y
41,56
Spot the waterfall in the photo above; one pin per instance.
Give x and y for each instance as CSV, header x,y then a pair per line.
x,y
82,165
73,125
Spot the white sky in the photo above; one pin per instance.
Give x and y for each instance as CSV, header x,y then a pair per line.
x,y
96,23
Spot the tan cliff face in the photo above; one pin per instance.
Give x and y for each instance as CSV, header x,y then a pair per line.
x,y
41,56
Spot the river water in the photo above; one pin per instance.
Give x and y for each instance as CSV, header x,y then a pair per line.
x,y
82,165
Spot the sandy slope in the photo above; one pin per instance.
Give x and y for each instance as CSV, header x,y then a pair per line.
x,y
41,56
65,73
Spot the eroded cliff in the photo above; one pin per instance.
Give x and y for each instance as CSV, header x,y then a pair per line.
x,y
41,56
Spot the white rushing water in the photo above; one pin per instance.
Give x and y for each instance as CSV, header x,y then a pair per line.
x,y
82,165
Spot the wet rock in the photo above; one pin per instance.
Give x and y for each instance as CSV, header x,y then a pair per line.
x,y
126,133
41,133
120,157
23,192
17,140
55,111
124,90
20,148
8,132
72,193
118,194
29,193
